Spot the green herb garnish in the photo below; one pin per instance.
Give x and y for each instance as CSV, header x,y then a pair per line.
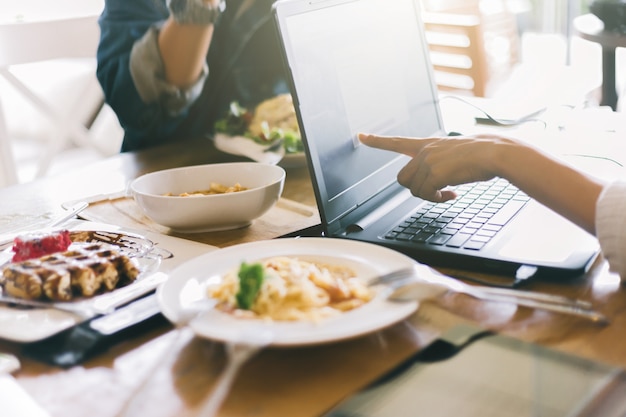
x,y
251,278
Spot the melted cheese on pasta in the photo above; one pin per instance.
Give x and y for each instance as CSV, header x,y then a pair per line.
x,y
296,290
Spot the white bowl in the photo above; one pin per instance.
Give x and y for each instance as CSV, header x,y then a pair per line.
x,y
213,212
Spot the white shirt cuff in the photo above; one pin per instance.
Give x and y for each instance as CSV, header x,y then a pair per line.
x,y
611,225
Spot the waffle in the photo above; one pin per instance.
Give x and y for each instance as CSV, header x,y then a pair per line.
x,y
82,271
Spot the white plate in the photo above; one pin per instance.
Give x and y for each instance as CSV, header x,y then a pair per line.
x,y
129,244
28,324
188,283
242,146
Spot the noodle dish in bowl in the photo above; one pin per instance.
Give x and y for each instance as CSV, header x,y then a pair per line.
x,y
212,197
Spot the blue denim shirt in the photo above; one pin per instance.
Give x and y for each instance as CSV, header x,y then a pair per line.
x,y
243,64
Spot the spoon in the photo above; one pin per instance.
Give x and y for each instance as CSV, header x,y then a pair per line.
x,y
71,213
421,282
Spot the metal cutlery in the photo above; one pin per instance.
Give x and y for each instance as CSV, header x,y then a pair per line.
x,y
104,198
489,119
400,277
238,353
248,343
422,282
69,214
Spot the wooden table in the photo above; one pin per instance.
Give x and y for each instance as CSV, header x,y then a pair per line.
x,y
591,28
294,382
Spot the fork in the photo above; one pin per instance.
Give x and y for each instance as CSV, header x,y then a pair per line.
x,y
421,282
248,343
400,276
238,352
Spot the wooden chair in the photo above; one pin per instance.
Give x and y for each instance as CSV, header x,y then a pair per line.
x,y
471,47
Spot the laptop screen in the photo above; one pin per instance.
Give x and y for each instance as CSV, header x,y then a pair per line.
x,y
357,66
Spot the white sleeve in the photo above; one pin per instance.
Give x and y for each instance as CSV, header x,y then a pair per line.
x,y
611,225
148,73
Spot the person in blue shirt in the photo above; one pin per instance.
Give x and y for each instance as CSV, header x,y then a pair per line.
x,y
170,68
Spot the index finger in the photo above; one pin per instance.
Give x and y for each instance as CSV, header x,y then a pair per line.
x,y
407,146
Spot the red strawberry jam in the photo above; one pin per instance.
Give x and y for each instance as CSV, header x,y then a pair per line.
x,y
37,245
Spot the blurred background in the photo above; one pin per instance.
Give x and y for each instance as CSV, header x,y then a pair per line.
x,y
55,117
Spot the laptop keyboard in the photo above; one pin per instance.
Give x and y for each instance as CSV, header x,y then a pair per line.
x,y
469,222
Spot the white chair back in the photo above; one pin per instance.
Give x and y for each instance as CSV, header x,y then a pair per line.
x,y
8,172
22,43
41,40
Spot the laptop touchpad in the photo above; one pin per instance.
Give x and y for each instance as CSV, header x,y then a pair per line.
x,y
527,243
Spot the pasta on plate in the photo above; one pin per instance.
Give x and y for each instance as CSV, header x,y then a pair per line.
x,y
294,289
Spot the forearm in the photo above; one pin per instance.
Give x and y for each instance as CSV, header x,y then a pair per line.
x,y
557,185
183,49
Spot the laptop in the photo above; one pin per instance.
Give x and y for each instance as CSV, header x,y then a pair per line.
x,y
363,66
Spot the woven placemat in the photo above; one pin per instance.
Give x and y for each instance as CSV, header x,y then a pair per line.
x,y
285,217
